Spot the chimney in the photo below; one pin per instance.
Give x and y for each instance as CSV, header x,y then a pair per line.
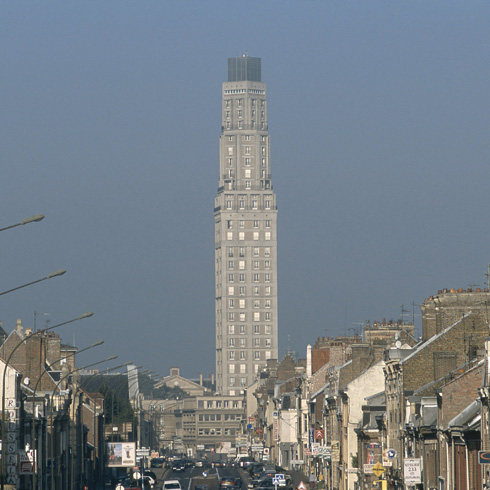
x,y
200,379
308,361
18,326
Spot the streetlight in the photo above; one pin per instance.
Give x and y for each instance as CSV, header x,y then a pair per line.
x,y
32,219
50,276
27,337
52,414
33,434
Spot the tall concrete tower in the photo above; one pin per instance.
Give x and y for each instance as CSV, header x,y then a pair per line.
x,y
245,216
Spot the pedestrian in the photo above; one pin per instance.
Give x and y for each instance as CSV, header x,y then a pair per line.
x,y
312,480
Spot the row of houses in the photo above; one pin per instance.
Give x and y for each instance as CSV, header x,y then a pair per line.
x,y
52,429
386,408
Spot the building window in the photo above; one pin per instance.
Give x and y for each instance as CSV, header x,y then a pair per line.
x,y
247,164
241,235
267,264
231,355
254,204
267,303
267,204
242,223
243,381
257,316
267,235
268,329
256,252
256,235
230,251
241,277
248,184
231,303
257,355
232,381
242,204
267,223
256,290
242,329
242,303
242,355
257,342
267,316
247,150
267,277
267,252
231,316
231,368
228,204
256,223
230,265
268,354
256,277
247,173
257,329
231,329
230,151
267,290
242,290
243,368
242,316
231,290
256,264
240,125
243,342
241,265
268,343
241,251
247,137
256,303
230,277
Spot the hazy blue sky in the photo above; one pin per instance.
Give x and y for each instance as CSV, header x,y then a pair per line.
x,y
379,116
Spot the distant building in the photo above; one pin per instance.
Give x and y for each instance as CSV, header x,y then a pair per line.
x,y
245,216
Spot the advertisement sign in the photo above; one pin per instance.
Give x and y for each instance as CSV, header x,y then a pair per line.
x,y
275,424
26,462
121,454
412,471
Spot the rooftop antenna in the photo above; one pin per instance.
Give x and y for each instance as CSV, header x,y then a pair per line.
x,y
403,311
488,276
289,344
36,314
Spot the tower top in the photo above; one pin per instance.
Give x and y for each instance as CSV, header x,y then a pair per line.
x,y
244,68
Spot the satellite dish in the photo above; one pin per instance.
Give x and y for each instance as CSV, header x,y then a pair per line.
x,y
398,344
27,381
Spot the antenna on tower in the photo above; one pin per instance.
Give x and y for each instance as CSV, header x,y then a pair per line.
x,y
488,276
289,344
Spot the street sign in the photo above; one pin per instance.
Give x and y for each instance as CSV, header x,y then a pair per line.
x,y
412,471
378,469
390,454
484,457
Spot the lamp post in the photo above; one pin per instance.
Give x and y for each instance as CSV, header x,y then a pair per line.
x,y
33,435
27,337
49,276
32,219
52,415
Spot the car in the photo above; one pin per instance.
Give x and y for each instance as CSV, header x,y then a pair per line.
x,y
157,463
129,484
202,463
219,464
171,485
148,482
201,487
152,474
178,466
229,482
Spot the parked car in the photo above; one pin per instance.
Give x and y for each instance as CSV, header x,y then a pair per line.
x,y
229,481
152,474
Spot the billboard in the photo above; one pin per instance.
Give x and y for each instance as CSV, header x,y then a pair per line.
x,y
121,454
